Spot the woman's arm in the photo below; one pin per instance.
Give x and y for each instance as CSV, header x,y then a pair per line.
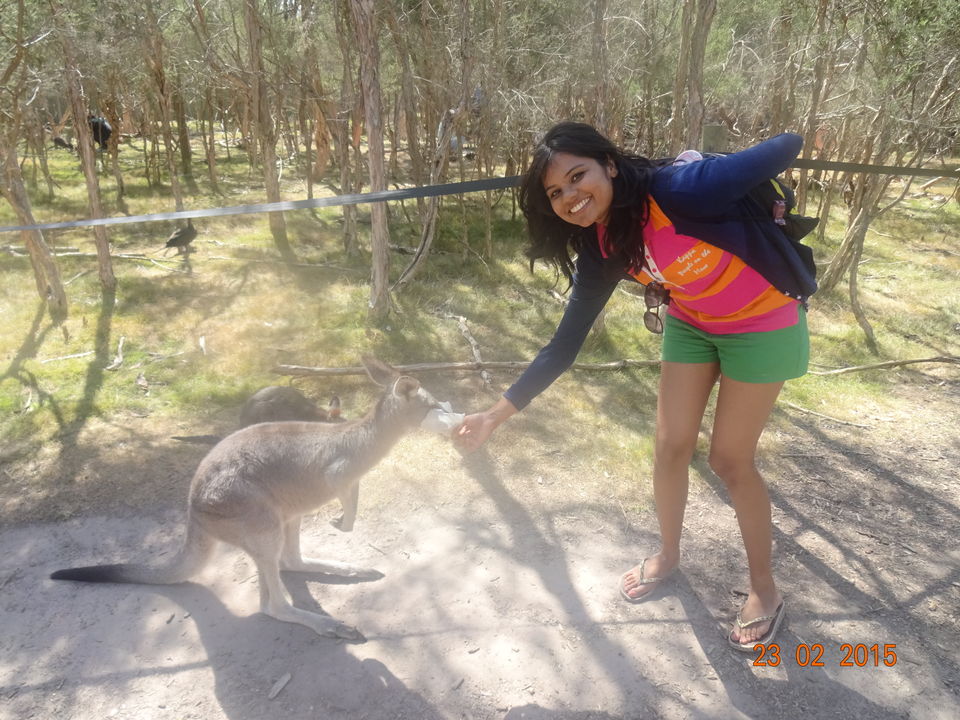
x,y
589,296
591,291
709,186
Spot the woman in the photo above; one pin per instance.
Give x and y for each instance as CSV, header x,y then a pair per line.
x,y
735,288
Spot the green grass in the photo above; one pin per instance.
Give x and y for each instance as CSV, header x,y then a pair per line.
x,y
254,312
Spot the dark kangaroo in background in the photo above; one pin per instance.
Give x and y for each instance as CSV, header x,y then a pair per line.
x,y
275,403
253,488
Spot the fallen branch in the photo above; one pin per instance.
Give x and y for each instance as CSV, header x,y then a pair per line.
x,y
821,415
18,251
76,252
302,370
474,345
268,261
67,357
889,364
118,358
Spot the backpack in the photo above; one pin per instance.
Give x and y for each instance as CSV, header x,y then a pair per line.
x,y
775,199
772,196
779,200
772,199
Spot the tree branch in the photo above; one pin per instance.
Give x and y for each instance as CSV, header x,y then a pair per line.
x,y
301,370
953,359
304,370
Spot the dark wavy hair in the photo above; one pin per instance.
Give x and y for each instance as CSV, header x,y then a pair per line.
x,y
553,239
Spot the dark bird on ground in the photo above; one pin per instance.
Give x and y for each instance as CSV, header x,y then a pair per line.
x,y
61,143
181,237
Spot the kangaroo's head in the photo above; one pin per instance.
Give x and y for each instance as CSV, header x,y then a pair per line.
x,y
404,399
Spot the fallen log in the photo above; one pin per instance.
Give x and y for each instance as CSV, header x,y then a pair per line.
x,y
889,364
302,370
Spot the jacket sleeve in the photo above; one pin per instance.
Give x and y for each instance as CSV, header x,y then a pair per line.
x,y
708,187
592,289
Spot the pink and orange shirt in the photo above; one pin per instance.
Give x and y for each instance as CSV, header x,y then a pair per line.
x,y
710,288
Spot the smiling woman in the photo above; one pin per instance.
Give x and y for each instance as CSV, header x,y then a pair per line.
x,y
736,291
580,189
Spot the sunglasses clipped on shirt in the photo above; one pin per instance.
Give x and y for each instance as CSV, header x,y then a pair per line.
x,y
655,295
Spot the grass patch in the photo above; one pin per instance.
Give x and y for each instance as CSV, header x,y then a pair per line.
x,y
202,334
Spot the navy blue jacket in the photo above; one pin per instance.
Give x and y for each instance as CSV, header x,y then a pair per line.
x,y
706,200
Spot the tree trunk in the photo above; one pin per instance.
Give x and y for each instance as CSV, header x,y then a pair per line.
x,y
858,312
441,154
365,25
183,129
780,58
210,144
153,48
678,119
340,128
263,122
45,270
698,48
597,114
111,108
409,98
85,143
816,93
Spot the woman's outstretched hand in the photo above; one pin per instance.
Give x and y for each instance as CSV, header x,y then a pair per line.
x,y
476,428
473,432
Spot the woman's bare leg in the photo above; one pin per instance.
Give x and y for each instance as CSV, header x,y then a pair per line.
x,y
684,391
742,413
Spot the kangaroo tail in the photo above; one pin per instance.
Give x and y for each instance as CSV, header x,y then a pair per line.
x,y
192,556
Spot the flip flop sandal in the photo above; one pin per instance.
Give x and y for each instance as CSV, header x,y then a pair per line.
x,y
777,618
644,580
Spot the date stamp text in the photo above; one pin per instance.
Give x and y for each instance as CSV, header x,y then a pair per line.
x,y
859,655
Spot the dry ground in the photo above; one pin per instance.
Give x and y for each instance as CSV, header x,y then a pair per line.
x,y
500,596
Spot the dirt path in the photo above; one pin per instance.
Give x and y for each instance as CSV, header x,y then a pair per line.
x,y
500,597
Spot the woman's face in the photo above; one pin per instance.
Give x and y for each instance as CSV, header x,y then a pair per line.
x,y
580,189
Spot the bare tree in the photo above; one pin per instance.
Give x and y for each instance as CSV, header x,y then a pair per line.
x,y
365,25
698,47
13,89
72,74
343,117
263,122
153,50
686,118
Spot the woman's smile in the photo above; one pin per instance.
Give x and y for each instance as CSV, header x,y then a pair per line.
x,y
580,189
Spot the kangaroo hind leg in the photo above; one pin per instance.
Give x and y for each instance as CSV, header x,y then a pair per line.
x,y
292,560
265,548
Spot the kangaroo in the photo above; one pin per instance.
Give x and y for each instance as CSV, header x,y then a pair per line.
x,y
253,488
275,403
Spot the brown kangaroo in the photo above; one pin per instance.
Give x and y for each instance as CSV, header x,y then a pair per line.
x,y
252,489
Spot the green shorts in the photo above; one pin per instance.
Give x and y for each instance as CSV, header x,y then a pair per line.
x,y
756,357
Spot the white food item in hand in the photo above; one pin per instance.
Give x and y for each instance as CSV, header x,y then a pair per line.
x,y
442,420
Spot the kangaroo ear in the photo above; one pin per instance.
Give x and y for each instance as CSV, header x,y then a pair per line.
x,y
406,387
381,373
